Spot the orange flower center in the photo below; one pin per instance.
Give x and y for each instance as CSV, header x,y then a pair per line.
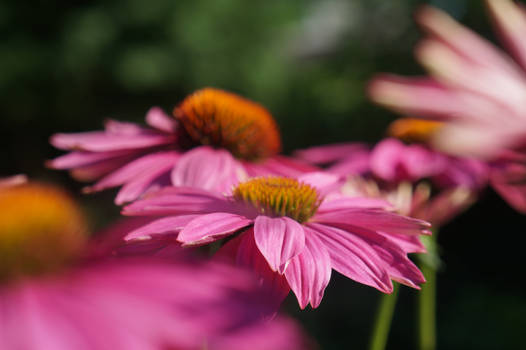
x,y
279,196
414,130
41,229
222,119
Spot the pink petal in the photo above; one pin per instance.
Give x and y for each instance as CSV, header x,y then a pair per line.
x,y
171,201
156,118
393,161
142,183
409,244
374,219
461,39
508,181
206,168
243,251
115,127
100,141
77,159
330,153
309,273
344,203
14,180
500,83
323,182
394,258
353,257
137,167
165,225
278,165
97,170
510,21
279,240
207,228
417,96
356,163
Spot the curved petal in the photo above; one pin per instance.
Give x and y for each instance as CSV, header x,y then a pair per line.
x,y
207,228
279,240
156,118
206,168
101,141
387,254
278,165
510,20
323,182
243,251
353,257
375,220
344,203
171,201
330,153
391,160
162,226
309,273
417,96
78,158
136,167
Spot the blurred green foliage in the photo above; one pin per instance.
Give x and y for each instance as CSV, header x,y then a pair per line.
x,y
66,66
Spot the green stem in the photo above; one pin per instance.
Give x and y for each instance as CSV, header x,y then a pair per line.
x,y
383,320
427,299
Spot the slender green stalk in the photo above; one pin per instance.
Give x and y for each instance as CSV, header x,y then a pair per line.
x,y
427,297
384,316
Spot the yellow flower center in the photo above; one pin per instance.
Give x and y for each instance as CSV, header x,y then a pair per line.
x,y
41,229
222,119
279,196
414,130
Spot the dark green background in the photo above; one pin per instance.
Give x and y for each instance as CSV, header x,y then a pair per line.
x,y
66,66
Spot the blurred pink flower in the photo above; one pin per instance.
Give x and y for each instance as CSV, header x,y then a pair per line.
x,y
213,132
478,91
392,161
288,233
141,304
54,298
398,172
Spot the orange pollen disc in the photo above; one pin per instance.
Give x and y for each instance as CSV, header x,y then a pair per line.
x,y
41,229
279,196
224,120
414,130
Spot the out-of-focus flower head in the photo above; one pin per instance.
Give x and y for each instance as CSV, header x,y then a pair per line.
x,y
286,231
215,139
475,89
478,90
54,298
417,180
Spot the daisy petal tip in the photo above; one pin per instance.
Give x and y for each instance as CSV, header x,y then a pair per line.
x,y
425,14
383,90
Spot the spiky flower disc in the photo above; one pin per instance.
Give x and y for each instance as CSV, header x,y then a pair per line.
x,y
222,119
41,228
279,196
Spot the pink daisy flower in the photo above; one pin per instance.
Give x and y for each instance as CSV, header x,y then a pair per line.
x,y
405,175
288,233
213,132
52,298
475,89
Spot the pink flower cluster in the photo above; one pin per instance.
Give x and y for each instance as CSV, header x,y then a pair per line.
x,y
212,174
